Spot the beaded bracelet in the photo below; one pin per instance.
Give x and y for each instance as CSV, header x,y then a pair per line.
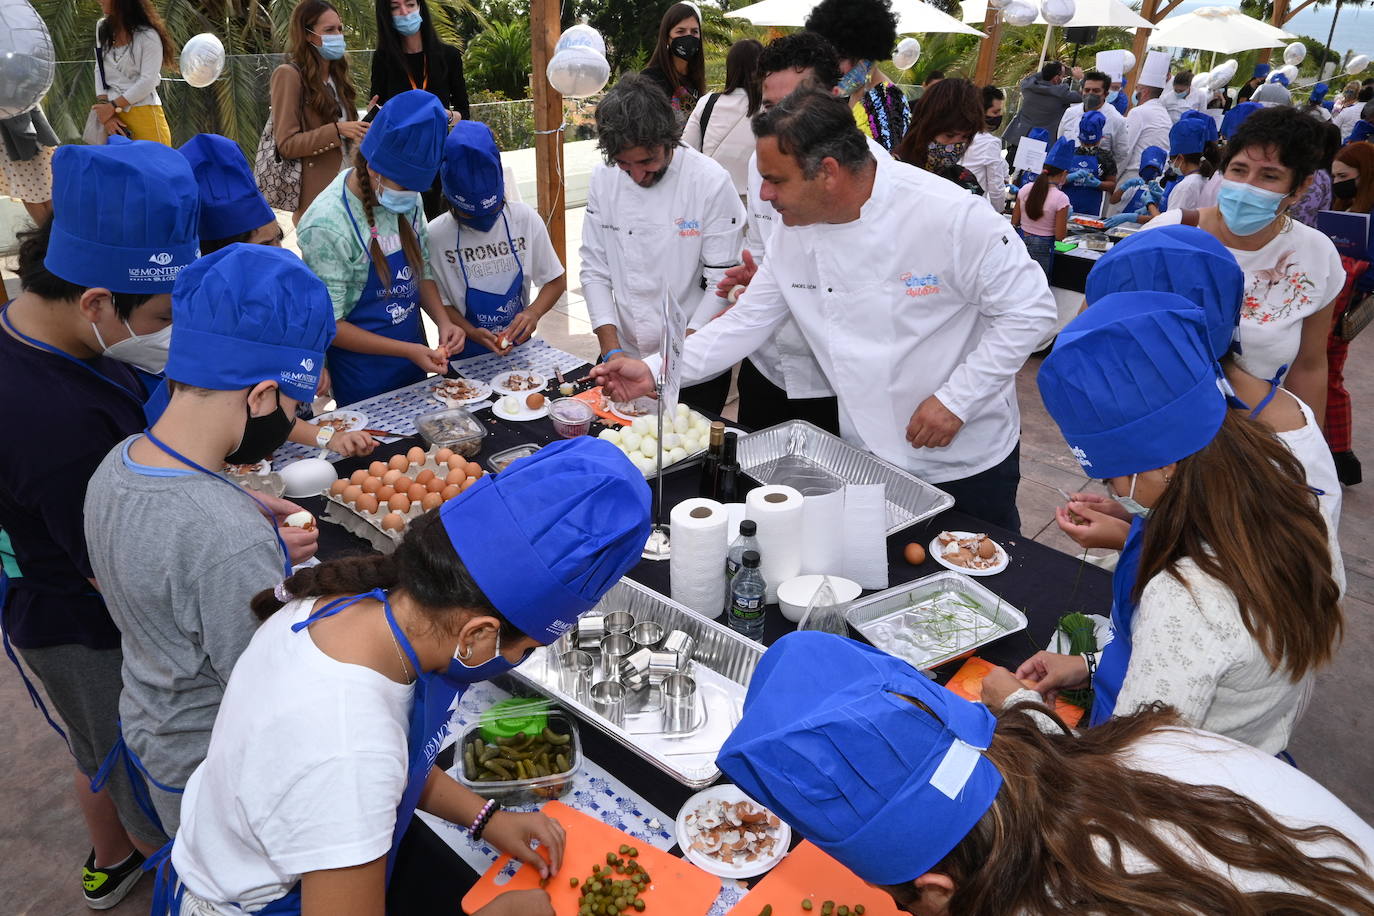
x,y
483,818
1090,658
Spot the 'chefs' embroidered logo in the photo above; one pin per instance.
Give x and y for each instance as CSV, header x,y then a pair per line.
x,y
308,364
399,312
688,228
488,202
1081,455
162,258
923,285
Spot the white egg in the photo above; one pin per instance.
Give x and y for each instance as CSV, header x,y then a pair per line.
x,y
700,418
641,426
643,464
671,440
610,435
683,410
681,425
702,429
510,404
674,456
691,444
649,448
629,440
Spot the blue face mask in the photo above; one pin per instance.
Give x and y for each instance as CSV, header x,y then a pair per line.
x,y
460,676
408,24
1128,502
856,78
332,47
1245,208
397,202
1113,95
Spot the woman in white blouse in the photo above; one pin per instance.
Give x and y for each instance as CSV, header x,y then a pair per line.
x,y
132,48
719,125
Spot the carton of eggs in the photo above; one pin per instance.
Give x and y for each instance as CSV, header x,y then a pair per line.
x,y
685,434
388,495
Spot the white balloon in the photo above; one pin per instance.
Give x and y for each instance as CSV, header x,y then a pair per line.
x,y
1357,64
998,4
907,53
26,58
1018,12
1057,12
581,36
1289,71
1223,73
202,59
579,71
1128,64
1203,81
1295,53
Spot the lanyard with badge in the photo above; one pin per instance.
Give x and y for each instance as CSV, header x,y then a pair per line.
x,y
5,317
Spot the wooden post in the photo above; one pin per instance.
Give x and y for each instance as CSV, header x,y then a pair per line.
x,y
1149,9
985,72
548,116
1278,19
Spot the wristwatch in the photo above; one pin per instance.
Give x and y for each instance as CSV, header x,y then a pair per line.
x,y
325,434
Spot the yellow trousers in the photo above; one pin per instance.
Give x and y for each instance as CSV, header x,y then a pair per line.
x,y
147,122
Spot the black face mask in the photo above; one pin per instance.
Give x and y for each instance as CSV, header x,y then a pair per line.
x,y
1344,189
994,123
685,46
262,436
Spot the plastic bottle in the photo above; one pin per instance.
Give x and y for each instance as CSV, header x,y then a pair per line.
x,y
746,598
747,540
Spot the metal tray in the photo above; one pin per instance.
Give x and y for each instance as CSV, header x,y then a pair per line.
x,y
881,616
799,454
723,662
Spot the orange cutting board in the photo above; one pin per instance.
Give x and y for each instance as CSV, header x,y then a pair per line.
x,y
809,872
968,683
677,888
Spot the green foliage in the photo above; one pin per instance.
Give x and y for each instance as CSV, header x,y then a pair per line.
x,y
498,59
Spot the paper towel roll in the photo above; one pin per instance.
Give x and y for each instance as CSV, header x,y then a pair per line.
x,y
736,511
697,528
864,534
778,513
822,519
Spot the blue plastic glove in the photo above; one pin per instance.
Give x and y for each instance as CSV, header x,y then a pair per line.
x,y
1089,180
1119,218
1135,182
1077,176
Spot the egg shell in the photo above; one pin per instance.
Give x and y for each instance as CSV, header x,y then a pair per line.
x,y
431,501
443,455
450,491
377,469
352,492
385,493
391,476
393,522
914,554
337,487
367,502
416,492
358,477
399,503
435,484
456,476
416,455
534,401
424,476
398,463
610,435
372,484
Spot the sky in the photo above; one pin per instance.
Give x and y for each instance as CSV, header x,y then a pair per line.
x,y
1354,30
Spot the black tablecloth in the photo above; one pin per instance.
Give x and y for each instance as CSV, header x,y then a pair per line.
x,y
1044,583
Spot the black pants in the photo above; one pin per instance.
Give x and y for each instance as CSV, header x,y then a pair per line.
x,y
708,396
991,494
763,404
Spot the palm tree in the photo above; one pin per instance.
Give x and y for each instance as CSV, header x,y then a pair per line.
x,y
498,59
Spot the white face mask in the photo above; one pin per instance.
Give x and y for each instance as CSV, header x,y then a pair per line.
x,y
146,351
1128,502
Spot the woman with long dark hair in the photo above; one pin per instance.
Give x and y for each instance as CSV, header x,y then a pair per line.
x,y
865,32
678,63
132,50
314,102
410,55
949,115
720,124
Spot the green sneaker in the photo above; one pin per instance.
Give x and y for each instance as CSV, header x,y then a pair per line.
x,y
105,887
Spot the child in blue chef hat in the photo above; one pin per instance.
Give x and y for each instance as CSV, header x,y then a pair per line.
x,y
1041,210
1145,203
232,209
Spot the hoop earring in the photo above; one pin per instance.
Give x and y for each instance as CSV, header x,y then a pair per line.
x,y
467,656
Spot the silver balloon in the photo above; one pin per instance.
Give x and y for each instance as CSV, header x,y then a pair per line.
x,y
26,58
1058,12
202,59
1357,64
1018,12
907,53
581,36
1295,53
578,72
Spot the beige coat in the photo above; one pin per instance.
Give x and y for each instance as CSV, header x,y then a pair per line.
x,y
302,134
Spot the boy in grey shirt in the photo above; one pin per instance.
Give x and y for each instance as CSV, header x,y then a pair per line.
x,y
179,550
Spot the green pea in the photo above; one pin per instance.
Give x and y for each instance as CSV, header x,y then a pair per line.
x,y
807,904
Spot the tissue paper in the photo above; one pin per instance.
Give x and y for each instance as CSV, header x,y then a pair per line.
x,y
865,535
822,520
778,513
697,528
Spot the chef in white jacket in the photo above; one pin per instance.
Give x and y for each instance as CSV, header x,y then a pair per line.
x,y
1096,85
660,217
1147,124
1185,96
920,315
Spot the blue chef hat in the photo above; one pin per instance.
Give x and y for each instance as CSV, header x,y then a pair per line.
x,y
1231,121
1176,259
1319,92
829,742
230,202
1186,137
1281,79
471,173
1261,71
1038,133
1136,393
1363,131
1091,125
1153,157
1060,156
406,139
124,216
1209,123
548,536
247,314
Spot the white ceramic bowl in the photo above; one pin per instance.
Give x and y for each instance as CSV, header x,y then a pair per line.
x,y
794,595
308,477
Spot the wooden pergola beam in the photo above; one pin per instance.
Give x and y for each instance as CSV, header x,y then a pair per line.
x,y
548,121
1279,17
1150,10
987,48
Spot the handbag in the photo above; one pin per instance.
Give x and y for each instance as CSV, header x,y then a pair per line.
x,y
1355,318
93,134
1354,304
278,179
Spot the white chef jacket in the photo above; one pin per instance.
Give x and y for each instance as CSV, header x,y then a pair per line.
x,y
1347,118
1196,101
900,304
1147,124
683,232
988,164
1113,132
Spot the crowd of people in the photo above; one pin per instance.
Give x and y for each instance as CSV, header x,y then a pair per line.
x,y
260,728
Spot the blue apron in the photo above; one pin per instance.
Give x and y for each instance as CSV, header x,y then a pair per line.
x,y
1111,667
389,310
1086,201
492,311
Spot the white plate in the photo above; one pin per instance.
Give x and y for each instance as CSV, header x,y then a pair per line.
x,y
356,420
728,793
482,387
498,384
647,404
1001,564
525,414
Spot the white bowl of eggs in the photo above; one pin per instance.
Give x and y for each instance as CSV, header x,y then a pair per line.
x,y
685,435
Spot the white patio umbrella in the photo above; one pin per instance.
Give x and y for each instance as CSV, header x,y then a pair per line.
x,y
913,16
1222,29
1089,12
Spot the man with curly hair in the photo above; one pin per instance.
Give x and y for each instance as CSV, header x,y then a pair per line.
x,y
863,33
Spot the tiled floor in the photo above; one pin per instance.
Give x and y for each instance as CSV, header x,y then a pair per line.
x,y
42,842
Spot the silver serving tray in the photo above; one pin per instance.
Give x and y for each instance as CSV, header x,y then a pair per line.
x,y
722,664
881,614
801,455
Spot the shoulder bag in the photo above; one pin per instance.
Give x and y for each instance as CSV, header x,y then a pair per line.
x,y
94,131
279,179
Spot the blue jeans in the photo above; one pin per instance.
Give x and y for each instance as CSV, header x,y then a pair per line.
x,y
1041,249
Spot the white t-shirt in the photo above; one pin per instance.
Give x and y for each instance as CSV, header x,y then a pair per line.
x,y
1187,194
487,257
305,770
1296,275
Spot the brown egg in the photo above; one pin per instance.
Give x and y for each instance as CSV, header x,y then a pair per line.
x,y
393,522
398,463
443,455
391,476
534,401
416,492
987,549
337,487
399,503
385,493
474,469
450,491
377,468
367,502
358,477
372,484
457,462
431,501
468,482
435,484
416,455
424,476
457,476
352,492
914,553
